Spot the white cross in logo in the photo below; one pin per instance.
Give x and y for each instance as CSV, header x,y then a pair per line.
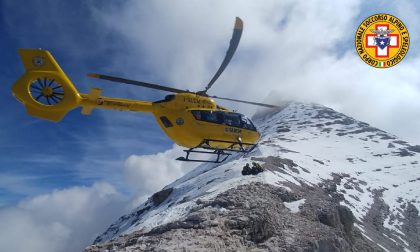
x,y
393,42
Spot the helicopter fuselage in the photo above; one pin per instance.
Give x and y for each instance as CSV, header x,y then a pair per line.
x,y
187,118
190,119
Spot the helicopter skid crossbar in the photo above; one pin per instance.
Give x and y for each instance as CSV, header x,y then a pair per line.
x,y
222,154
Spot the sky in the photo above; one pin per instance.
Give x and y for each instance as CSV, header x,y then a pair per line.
x,y
67,181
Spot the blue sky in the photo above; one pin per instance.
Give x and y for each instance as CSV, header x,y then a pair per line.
x,y
38,156
116,159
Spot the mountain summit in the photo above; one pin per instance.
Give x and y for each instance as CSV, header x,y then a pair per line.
x,y
329,183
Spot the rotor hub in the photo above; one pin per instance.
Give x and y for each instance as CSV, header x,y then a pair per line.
x,y
47,91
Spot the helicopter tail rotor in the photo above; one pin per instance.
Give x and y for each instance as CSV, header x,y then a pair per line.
x,y
44,88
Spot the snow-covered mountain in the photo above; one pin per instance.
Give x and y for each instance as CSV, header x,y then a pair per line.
x,y
318,164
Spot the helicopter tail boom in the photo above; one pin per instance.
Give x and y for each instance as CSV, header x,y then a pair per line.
x,y
95,100
47,93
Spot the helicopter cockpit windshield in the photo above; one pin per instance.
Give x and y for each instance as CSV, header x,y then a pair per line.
x,y
226,118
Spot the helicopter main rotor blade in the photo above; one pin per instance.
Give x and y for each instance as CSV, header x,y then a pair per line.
x,y
137,83
234,42
247,102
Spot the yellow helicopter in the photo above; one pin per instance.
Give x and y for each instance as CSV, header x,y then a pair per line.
x,y
191,119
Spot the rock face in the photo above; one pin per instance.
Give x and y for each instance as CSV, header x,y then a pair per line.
x,y
161,196
329,183
253,217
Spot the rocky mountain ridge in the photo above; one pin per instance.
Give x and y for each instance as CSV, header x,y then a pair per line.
x,y
330,183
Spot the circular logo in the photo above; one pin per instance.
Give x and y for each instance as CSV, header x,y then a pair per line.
x,y
179,121
382,40
38,61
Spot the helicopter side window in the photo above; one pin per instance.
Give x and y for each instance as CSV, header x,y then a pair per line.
x,y
208,116
204,115
211,116
246,123
166,122
251,125
197,114
232,119
220,117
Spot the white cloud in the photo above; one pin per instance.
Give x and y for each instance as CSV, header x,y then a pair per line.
x,y
69,220
150,173
61,221
302,50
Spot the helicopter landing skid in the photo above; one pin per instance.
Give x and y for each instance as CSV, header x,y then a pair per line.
x,y
222,154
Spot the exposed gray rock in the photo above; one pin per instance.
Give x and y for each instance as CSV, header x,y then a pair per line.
x,y
411,226
400,142
282,129
318,161
242,220
280,162
161,196
403,153
415,148
373,222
